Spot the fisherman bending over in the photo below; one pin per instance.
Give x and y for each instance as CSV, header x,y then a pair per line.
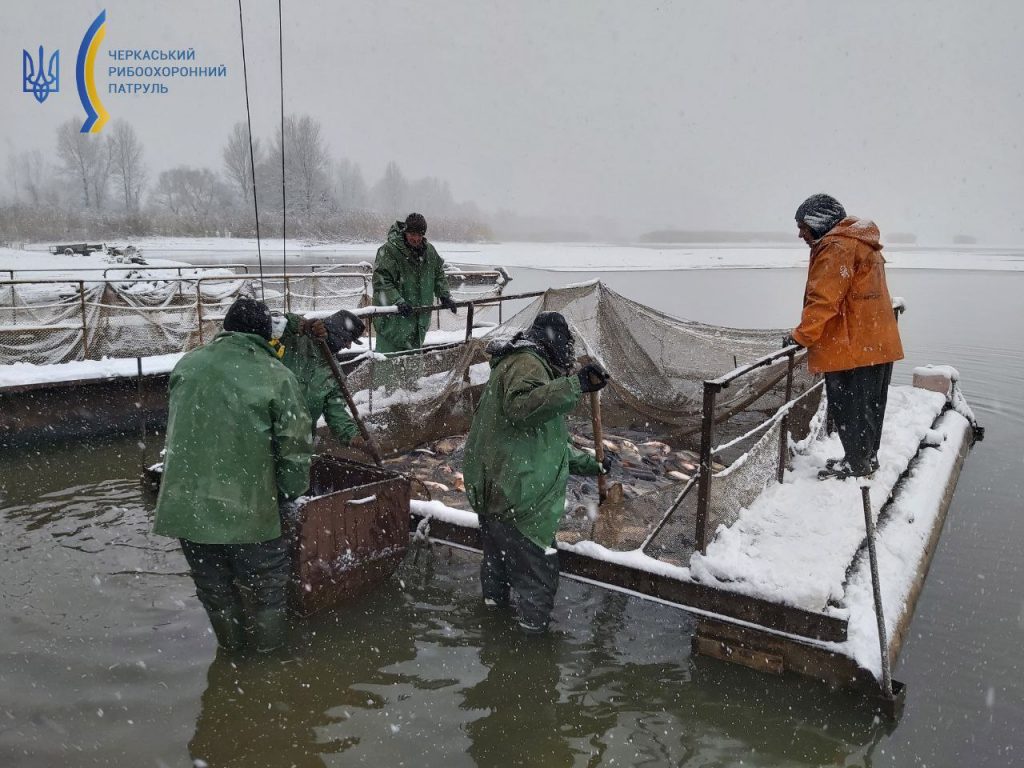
x,y
848,327
302,356
238,443
518,460
408,273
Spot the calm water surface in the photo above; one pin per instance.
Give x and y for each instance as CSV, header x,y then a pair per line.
x,y
106,659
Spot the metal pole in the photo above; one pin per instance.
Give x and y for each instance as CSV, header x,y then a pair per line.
x,y
469,322
287,295
85,327
142,416
784,426
876,588
707,431
199,308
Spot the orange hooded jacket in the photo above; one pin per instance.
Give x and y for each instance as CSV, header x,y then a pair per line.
x,y
847,320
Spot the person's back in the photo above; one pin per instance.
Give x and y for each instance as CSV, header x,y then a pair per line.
x,y
234,434
239,442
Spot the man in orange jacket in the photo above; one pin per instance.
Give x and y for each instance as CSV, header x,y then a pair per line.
x,y
848,327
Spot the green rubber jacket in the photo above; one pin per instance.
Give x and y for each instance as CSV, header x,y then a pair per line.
x,y
320,391
238,439
518,455
400,275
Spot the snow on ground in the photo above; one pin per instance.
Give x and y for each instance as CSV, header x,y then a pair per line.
x,y
41,265
21,374
794,543
901,544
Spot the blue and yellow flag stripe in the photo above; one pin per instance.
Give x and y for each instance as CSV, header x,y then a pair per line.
x,y
96,115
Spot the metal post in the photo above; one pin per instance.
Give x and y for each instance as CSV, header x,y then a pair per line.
x,y
784,426
142,417
469,322
501,306
85,327
707,431
287,295
876,588
199,308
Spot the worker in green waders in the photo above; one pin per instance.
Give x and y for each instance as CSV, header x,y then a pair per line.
x,y
407,273
238,444
518,461
302,356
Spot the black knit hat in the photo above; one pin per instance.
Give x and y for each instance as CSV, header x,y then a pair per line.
x,y
342,329
820,213
551,333
248,316
415,224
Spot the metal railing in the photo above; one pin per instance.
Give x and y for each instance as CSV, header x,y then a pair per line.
x,y
206,309
712,387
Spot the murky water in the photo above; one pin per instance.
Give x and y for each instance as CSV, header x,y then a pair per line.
x,y
106,659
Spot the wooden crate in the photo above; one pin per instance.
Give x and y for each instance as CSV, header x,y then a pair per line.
x,y
348,534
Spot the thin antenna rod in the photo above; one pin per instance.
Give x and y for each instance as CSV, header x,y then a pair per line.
x,y
252,158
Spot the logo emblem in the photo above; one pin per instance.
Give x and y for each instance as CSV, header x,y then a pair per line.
x,y
96,115
40,80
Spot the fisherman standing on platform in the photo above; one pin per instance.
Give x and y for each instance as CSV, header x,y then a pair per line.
x,y
239,443
302,356
408,273
848,327
518,461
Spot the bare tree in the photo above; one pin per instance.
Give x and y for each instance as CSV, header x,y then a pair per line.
x,y
238,161
391,192
349,188
83,159
30,175
192,196
307,165
432,196
126,163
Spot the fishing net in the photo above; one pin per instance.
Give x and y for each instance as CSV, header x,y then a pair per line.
x,y
651,410
140,314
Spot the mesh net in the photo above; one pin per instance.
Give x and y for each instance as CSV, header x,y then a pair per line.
x,y
46,322
651,410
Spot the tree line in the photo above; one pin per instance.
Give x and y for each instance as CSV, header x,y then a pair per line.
x,y
100,187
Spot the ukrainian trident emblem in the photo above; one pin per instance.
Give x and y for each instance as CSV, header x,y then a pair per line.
x,y
37,79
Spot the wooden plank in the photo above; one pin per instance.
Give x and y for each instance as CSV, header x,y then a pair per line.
x,y
733,653
684,594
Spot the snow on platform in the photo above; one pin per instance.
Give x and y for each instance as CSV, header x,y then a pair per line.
x,y
794,544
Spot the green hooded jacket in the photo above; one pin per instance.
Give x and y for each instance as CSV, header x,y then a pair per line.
x,y
518,455
400,275
320,391
238,439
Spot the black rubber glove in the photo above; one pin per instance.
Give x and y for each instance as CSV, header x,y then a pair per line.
x,y
789,341
606,465
447,303
404,309
314,328
592,377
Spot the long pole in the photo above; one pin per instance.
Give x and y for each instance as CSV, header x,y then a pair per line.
x,y
371,444
876,588
595,412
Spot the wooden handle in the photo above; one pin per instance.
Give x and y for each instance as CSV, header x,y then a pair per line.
x,y
371,444
595,411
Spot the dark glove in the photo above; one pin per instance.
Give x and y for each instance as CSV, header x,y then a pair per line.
x,y
314,328
789,341
592,377
606,465
404,309
447,303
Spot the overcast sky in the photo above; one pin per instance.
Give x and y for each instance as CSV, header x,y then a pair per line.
x,y
696,115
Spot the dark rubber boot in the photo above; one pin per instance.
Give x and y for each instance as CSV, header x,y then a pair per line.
x,y
228,628
271,629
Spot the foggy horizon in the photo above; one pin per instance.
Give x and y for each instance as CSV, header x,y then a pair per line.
x,y
686,117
